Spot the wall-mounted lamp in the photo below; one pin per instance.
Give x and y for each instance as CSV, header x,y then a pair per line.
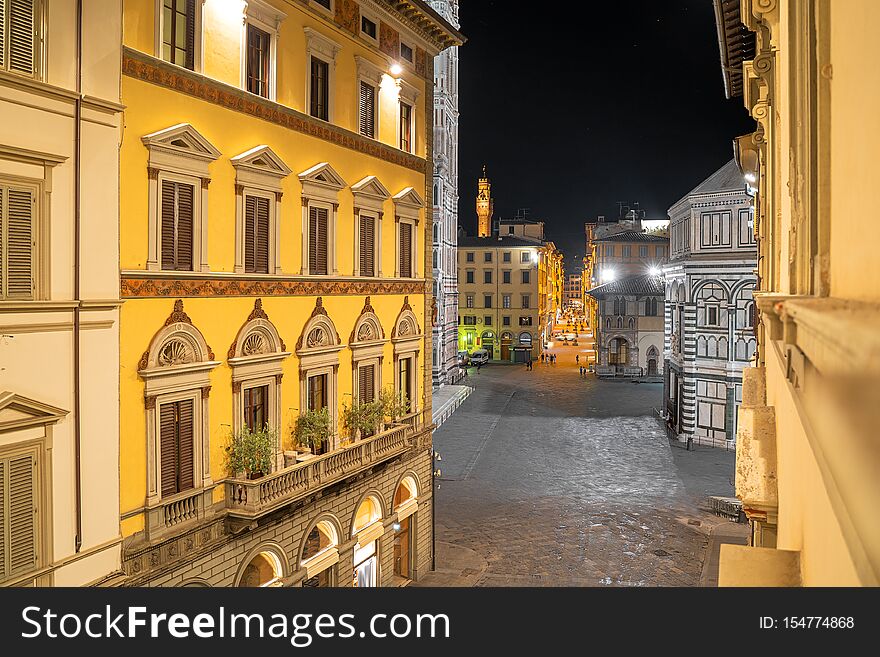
x,y
396,69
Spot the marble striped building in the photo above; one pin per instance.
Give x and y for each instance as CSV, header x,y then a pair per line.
x,y
709,311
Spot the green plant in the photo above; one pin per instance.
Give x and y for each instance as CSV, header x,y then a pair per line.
x,y
312,428
364,417
251,452
394,405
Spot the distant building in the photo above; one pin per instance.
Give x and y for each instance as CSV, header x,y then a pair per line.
x,y
485,205
711,315
444,367
572,292
628,326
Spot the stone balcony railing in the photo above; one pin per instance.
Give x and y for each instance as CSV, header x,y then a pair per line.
x,y
251,499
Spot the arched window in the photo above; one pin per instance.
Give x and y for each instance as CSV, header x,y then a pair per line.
x,y
525,339
405,505
367,527
608,323
632,323
265,569
617,306
620,322
750,314
320,554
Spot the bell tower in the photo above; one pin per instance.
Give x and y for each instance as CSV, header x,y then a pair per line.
x,y
485,205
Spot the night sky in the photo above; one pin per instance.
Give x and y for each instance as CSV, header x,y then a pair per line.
x,y
575,106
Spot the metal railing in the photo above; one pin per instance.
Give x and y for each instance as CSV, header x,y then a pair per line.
x,y
247,498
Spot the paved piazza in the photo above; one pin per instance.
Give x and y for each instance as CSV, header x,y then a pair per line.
x,y
550,479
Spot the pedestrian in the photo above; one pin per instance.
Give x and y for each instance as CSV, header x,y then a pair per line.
x,y
577,358
542,356
479,365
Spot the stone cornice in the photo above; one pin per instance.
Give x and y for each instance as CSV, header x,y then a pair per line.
x,y
149,69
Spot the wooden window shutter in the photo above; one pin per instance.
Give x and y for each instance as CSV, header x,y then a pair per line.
x,y
17,243
318,240
18,515
261,247
190,34
176,446
177,225
367,245
250,220
21,32
367,110
405,250
186,462
2,65
366,383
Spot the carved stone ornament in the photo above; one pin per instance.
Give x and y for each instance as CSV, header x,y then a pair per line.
x,y
366,333
317,338
179,353
258,343
254,344
175,352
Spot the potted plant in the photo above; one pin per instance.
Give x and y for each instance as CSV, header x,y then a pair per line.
x,y
394,406
312,429
251,453
363,419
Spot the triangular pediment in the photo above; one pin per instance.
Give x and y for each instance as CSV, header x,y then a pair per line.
x,y
324,175
370,186
262,159
17,411
409,197
182,139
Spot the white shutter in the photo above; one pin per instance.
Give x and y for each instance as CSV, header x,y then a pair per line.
x,y
18,215
21,36
3,515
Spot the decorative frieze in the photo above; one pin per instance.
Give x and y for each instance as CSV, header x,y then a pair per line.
x,y
206,287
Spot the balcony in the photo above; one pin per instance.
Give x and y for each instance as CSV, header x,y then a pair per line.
x,y
250,499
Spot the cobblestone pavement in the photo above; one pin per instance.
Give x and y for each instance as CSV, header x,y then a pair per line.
x,y
551,479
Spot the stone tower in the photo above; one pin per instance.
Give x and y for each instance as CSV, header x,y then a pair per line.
x,y
484,206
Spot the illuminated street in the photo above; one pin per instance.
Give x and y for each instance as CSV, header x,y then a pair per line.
x,y
551,479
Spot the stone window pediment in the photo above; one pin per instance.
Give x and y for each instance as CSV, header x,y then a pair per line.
x,y
370,193
261,165
17,412
176,348
321,180
180,145
258,341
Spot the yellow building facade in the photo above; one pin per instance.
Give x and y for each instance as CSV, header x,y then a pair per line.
x,y
273,262
807,450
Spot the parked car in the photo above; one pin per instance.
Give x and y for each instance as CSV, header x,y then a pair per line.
x,y
479,357
463,358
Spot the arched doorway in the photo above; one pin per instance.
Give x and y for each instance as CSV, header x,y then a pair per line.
x,y
405,504
487,342
652,361
320,554
367,527
264,570
506,344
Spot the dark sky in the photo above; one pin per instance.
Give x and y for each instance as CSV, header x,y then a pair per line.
x,y
575,106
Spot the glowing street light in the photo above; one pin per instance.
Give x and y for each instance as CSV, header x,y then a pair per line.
x,y
396,69
654,270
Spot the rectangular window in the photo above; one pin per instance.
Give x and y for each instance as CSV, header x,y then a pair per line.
x,y
505,321
256,407
487,301
318,218
405,127
526,276
258,61
659,251
505,301
19,515
256,235
627,251
406,52
17,258
469,301
406,250
505,276
19,41
525,321
524,256
643,251
487,256
177,225
526,301
712,316
469,256
470,320
320,90
505,257
366,383
469,276
176,446
317,392
367,245
487,276
368,27
404,369
367,110
609,250
487,320
324,3
178,32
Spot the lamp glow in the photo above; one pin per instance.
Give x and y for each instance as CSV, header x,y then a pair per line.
x,y
654,271
750,177
609,275
396,69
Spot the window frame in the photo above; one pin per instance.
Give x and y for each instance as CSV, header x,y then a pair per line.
x,y
198,34
268,19
324,49
39,449
40,235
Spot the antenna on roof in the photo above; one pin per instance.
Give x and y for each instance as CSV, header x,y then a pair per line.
x,y
522,213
